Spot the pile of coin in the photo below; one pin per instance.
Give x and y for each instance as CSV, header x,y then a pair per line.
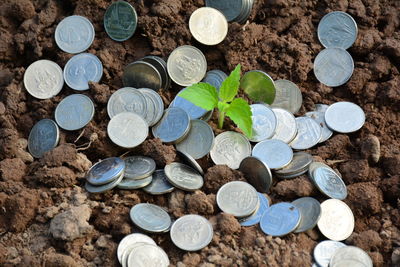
x,y
234,10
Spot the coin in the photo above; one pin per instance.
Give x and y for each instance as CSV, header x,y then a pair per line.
x,y
337,220
191,109
333,66
324,251
161,66
127,129
156,101
139,167
81,69
159,185
207,116
147,256
321,107
74,112
125,255
74,34
308,133
105,171
246,10
198,141
231,9
274,153
310,211
344,117
103,188
264,122
183,177
173,126
329,183
134,184
186,65
127,99
191,161
257,173
350,256
298,165
191,232
337,29
255,218
237,198
150,218
141,74
44,136
215,78
120,21
258,86
230,148
319,117
280,219
286,128
43,79
288,96
132,239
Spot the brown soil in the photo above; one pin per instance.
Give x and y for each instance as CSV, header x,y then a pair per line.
x,y
280,38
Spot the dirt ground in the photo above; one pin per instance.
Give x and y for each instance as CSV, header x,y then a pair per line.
x,y
47,218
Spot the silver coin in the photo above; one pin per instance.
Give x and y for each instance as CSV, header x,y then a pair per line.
x,y
173,126
319,117
183,177
105,171
43,79
134,184
230,148
141,74
150,111
300,162
286,127
74,34
194,112
215,78
350,256
139,167
186,65
156,100
274,153
199,140
207,116
44,136
337,29
310,211
329,183
161,66
148,256
103,188
127,129
344,117
280,219
159,185
150,218
190,161
333,66
237,198
324,251
288,96
264,122
125,255
232,9
308,133
132,239
74,112
191,232
127,99
255,218
321,107
81,69
257,173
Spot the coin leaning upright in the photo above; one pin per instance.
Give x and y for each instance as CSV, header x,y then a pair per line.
x,y
43,137
183,177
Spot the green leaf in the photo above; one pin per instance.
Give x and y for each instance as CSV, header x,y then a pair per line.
x,y
240,112
230,85
222,106
203,95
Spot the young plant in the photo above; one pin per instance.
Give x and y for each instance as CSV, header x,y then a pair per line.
x,y
207,97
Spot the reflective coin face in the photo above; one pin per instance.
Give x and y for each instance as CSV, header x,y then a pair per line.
x,y
148,256
134,184
74,112
127,99
264,122
74,34
231,9
191,109
153,99
190,161
151,218
105,171
298,165
43,79
43,137
130,240
127,252
159,185
120,21
308,133
173,126
255,218
81,69
333,66
258,86
191,232
310,211
257,173
183,177
139,167
141,74
103,188
274,153
337,29
344,117
288,96
329,183
319,117
280,219
324,251
350,256
286,127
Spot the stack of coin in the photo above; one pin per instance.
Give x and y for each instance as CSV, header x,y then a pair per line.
x,y
298,166
236,10
324,251
150,218
138,172
310,212
159,184
105,175
255,218
215,78
350,256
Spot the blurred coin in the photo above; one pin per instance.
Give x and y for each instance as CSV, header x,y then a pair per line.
x,y
191,109
120,21
324,251
310,211
337,29
105,171
207,116
298,165
139,167
74,112
230,148
156,101
231,9
134,184
43,79
74,34
337,220
148,256
82,69
274,153
103,188
183,177
308,133
215,78
127,252
333,66
173,126
258,86
329,183
161,66
43,137
191,232
127,99
264,122
288,96
286,127
319,117
248,6
132,239
186,65
350,256
127,129
141,74
321,107
280,219
344,117
159,184
257,173
150,218
190,161
255,218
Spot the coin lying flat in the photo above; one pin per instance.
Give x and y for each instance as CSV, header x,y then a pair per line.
x,y
148,255
319,117
288,96
286,127
257,173
183,177
310,211
150,218
333,66
337,220
132,239
81,69
194,112
255,218
191,232
43,137
259,86
337,29
344,117
120,21
159,184
139,167
190,161
297,166
274,153
264,122
43,79
280,219
105,171
350,256
103,188
74,112
324,251
308,133
329,183
215,78
154,114
74,34
127,99
173,126
134,184
141,74
127,129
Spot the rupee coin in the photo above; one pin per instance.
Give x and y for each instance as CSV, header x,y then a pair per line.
x,y
173,126
127,99
148,255
310,211
183,177
274,153
105,171
324,251
308,133
344,117
159,184
286,127
139,167
132,239
150,217
350,256
264,122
